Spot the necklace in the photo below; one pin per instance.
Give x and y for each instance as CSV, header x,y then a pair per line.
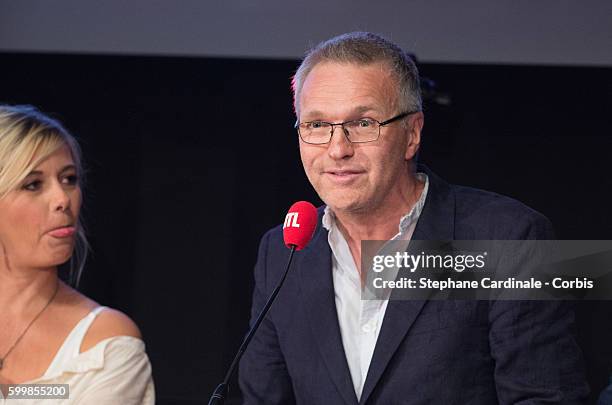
x,y
3,358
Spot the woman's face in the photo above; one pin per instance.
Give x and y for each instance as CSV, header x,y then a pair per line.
x,y
38,221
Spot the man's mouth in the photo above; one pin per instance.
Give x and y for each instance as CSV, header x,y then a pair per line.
x,y
343,175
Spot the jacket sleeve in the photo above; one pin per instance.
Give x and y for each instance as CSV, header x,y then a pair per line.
x,y
263,375
537,359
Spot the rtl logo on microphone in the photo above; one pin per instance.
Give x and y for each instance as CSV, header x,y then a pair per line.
x,y
297,235
291,220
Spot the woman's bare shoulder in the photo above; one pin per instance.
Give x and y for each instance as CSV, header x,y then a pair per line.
x,y
109,323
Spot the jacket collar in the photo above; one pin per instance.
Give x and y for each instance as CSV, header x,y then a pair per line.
x,y
436,222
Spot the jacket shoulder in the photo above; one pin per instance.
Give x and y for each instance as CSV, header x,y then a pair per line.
x,y
482,214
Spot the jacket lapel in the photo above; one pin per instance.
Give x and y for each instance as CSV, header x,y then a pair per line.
x,y
315,269
435,223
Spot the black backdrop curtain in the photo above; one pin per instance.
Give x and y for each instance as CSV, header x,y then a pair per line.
x,y
190,160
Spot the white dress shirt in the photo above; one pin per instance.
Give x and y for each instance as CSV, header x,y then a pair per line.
x,y
360,320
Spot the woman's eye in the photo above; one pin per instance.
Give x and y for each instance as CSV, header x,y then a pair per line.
x,y
71,180
33,185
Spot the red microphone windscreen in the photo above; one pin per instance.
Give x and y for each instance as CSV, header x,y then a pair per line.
x,y
300,224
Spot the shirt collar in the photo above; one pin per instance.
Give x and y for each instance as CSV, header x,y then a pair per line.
x,y
329,219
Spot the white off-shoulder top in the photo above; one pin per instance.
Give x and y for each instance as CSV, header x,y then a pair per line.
x,y
114,371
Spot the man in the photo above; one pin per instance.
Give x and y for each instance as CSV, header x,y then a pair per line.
x,y
359,113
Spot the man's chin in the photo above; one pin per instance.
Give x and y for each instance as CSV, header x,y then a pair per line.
x,y
344,205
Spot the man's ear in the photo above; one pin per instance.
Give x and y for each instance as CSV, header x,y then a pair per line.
x,y
413,131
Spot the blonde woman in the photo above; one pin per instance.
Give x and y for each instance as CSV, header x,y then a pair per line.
x,y
49,332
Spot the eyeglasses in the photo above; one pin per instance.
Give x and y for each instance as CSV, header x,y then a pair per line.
x,y
356,131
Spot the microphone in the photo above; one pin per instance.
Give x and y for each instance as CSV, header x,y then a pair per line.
x,y
298,229
300,224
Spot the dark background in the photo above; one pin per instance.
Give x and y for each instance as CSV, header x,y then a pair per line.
x,y
190,160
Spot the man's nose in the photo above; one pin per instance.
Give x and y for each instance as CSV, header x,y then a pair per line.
x,y
339,145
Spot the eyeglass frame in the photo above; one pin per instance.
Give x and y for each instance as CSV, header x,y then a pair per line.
x,y
341,124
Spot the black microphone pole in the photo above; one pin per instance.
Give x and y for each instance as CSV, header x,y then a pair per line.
x,y
218,396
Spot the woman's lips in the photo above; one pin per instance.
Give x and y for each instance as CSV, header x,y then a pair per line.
x,y
63,232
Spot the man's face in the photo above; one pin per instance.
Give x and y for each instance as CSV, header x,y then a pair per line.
x,y
356,177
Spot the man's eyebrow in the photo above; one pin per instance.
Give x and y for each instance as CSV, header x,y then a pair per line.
x,y
356,111
363,108
314,113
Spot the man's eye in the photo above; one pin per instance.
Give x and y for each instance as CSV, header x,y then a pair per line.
x,y
365,123
315,124
33,185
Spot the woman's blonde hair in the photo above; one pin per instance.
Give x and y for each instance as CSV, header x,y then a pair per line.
x,y
27,137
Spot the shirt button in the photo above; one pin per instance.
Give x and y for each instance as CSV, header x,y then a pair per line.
x,y
367,328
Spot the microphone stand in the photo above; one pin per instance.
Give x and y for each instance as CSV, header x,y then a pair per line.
x,y
218,396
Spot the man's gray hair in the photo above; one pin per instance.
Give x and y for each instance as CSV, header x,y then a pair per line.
x,y
364,48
